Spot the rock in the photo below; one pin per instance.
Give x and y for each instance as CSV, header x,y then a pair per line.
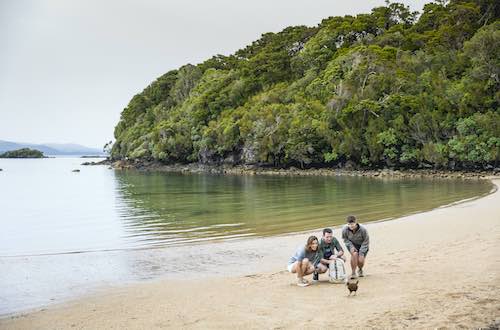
x,y
385,172
350,165
120,164
248,155
231,159
77,170
206,156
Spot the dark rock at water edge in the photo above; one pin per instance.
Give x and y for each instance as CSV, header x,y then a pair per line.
x,y
92,156
228,169
106,161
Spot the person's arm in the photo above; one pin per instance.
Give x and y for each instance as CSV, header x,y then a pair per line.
x,y
333,246
320,254
366,242
301,254
318,259
325,261
340,250
347,242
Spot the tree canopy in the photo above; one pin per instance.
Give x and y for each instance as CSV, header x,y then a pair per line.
x,y
388,88
22,153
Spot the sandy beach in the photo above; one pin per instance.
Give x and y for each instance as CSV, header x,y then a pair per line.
x,y
436,269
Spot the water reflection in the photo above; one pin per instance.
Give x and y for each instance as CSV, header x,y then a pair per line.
x,y
160,209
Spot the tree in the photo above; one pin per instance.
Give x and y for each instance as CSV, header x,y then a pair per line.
x,y
385,88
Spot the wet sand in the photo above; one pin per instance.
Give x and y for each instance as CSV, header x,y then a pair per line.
x,y
437,269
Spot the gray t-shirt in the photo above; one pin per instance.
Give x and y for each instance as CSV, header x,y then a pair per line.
x,y
301,254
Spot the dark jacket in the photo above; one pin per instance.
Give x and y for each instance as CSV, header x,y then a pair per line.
x,y
359,237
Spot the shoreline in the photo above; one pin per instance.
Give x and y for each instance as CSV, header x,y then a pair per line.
x,y
225,169
291,234
90,312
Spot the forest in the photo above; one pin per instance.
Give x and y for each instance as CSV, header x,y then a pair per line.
x,y
389,88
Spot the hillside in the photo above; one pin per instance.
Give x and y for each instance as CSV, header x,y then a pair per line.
x,y
388,88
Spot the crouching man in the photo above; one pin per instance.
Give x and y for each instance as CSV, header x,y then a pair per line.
x,y
356,240
329,249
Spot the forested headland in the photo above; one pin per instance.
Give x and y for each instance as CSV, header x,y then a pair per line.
x,y
23,153
390,88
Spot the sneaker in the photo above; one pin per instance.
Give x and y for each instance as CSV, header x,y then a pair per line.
x,y
353,276
303,283
360,273
315,277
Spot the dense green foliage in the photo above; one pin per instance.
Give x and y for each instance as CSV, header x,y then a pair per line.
x,y
389,88
23,153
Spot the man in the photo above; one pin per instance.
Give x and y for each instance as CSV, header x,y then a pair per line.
x,y
357,242
329,250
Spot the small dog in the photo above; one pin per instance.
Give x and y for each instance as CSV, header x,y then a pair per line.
x,y
352,285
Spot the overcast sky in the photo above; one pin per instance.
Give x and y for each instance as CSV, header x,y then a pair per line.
x,y
69,67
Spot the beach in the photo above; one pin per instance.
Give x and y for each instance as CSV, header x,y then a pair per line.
x,y
435,269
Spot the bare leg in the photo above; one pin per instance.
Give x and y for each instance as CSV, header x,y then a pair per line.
x,y
354,262
309,270
322,268
303,267
298,269
361,261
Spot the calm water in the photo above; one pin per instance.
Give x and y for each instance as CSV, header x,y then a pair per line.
x,y
48,213
46,208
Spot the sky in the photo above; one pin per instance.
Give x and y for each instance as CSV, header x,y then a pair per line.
x,y
69,67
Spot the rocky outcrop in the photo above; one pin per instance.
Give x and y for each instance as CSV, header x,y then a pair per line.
x,y
254,169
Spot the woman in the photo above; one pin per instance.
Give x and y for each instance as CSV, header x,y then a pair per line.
x,y
304,260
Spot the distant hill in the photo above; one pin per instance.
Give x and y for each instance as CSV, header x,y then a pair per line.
x,y
52,148
22,153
